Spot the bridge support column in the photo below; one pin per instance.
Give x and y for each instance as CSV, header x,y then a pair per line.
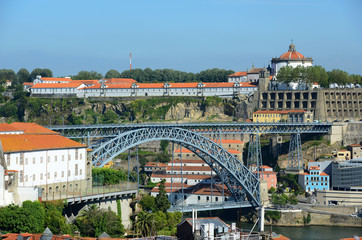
x,y
261,219
295,158
254,161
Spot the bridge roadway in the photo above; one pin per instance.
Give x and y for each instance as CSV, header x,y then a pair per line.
x,y
113,130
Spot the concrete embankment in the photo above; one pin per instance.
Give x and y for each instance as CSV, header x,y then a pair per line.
x,y
317,216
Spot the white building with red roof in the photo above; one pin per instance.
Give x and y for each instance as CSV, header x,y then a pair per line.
x,y
291,58
43,159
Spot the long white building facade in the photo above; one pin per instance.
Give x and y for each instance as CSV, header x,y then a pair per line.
x,y
121,87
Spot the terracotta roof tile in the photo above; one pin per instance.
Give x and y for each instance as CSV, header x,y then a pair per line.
x,y
184,85
28,83
189,168
31,142
56,79
4,127
238,74
32,128
292,55
57,85
150,85
119,80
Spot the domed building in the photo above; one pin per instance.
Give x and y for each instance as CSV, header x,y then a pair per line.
x,y
291,58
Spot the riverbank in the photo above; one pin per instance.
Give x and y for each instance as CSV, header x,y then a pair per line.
x,y
314,216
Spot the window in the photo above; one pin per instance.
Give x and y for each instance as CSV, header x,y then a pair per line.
x,y
80,171
207,198
34,177
48,159
33,160
26,161
76,154
216,199
21,176
48,174
41,159
69,157
17,160
21,158
55,158
8,159
76,170
80,156
55,174
26,178
62,158
41,176
68,173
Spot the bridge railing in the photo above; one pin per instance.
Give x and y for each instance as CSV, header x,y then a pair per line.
x,y
88,191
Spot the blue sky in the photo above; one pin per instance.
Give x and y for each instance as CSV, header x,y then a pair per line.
x,y
68,36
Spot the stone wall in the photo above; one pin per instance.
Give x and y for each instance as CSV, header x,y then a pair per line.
x,y
327,104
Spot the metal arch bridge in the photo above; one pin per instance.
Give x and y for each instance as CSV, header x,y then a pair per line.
x,y
241,182
114,130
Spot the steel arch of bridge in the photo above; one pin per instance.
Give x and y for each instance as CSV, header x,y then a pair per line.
x,y
241,182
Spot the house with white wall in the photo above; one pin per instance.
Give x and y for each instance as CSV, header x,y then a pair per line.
x,y
44,159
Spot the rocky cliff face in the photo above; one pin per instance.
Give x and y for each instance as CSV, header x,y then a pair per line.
x,y
79,111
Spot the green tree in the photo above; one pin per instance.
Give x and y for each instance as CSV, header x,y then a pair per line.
x,y
214,75
74,120
54,219
87,75
23,75
148,203
110,117
285,74
93,221
44,72
8,110
318,74
145,224
338,76
162,202
112,74
163,145
7,74
356,79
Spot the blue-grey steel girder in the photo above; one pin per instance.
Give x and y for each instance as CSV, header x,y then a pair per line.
x,y
240,181
113,130
254,160
295,157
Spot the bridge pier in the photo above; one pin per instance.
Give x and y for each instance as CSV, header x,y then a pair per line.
x,y
295,157
254,161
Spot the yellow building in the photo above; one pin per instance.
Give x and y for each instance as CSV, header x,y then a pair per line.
x,y
273,116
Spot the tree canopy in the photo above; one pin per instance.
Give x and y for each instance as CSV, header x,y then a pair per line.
x,y
87,75
112,74
7,74
169,75
44,72
316,74
23,75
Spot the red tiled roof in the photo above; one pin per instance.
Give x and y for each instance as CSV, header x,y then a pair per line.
x,y
32,128
189,168
323,174
230,141
28,83
218,84
119,80
184,85
150,85
57,85
292,55
238,74
304,173
4,127
355,145
188,176
153,164
32,142
87,82
56,79
186,161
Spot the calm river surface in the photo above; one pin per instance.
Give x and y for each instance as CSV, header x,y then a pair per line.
x,y
313,232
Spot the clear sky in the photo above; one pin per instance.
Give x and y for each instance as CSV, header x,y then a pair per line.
x,y
68,36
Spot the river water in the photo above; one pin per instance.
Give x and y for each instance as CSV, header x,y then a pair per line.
x,y
313,232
